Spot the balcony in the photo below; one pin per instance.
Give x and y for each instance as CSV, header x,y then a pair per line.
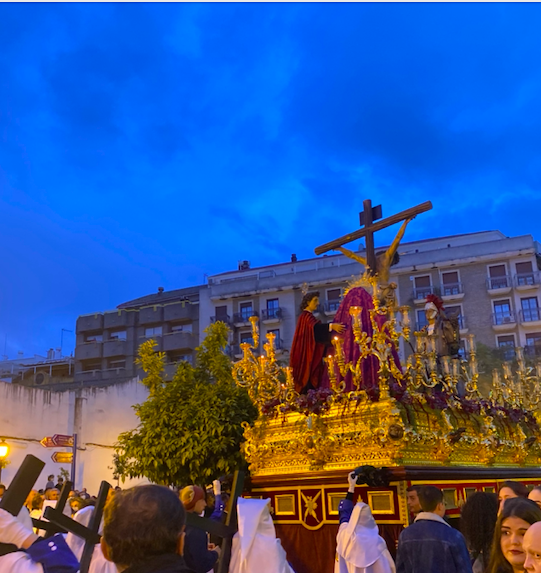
x,y
527,281
243,318
499,285
180,311
157,339
330,307
178,341
89,322
503,320
420,293
235,351
118,319
151,315
452,291
88,351
221,318
115,348
270,315
530,317
88,376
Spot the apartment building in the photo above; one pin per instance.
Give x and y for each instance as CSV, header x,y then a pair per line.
x,y
107,342
490,281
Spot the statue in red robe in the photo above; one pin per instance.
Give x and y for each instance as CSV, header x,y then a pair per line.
x,y
309,344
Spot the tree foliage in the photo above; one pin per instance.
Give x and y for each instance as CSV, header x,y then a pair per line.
x,y
190,428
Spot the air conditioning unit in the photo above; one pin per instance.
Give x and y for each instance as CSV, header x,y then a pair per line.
x,y
41,378
244,265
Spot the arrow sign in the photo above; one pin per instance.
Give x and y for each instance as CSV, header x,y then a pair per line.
x,y
62,457
57,441
63,441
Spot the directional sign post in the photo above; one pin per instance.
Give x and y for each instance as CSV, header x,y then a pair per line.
x,y
62,441
62,457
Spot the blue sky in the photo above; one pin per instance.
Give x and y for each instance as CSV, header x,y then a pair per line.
x,y
144,145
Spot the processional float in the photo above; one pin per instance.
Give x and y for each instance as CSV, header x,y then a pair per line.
x,y
427,422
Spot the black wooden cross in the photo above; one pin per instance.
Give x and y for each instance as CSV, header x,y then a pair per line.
x,y
89,534
367,218
229,525
16,494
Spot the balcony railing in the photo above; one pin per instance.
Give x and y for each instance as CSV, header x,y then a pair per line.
x,y
243,316
505,317
271,313
530,315
528,279
422,292
451,289
495,283
221,318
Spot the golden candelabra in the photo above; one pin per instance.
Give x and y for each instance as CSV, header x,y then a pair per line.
x,y
430,411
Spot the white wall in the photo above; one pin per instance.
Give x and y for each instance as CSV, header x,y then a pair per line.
x,y
97,415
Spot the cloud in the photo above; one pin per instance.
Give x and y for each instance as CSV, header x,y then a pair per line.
x,y
147,144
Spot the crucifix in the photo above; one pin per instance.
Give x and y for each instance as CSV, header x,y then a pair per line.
x,y
367,217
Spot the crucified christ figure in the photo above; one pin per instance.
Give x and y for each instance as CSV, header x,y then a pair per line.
x,y
384,261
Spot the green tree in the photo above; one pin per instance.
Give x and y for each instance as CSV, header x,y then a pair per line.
x,y
190,427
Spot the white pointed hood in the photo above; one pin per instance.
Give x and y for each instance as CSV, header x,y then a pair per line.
x,y
255,547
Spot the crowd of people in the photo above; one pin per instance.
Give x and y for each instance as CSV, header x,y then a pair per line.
x,y
144,530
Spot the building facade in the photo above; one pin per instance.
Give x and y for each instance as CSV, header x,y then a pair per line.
x,y
491,282
107,342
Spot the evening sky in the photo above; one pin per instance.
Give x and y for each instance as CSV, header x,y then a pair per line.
x,y
146,145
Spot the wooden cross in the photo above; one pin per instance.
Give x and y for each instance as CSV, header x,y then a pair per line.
x,y
16,494
367,217
229,525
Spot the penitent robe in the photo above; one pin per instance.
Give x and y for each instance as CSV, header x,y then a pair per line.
x,y
307,350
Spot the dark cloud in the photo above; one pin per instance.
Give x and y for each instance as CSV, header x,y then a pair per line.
x,y
147,144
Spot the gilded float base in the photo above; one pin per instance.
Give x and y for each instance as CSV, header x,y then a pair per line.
x,y
387,433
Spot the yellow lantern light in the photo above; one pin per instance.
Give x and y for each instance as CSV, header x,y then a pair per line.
x,y
4,450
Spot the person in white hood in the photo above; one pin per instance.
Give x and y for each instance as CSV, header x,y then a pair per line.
x,y
359,547
255,547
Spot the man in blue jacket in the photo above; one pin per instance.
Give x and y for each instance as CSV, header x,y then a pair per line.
x,y
430,544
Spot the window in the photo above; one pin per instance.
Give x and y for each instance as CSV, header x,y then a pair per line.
x,y
118,335
246,310
533,344
530,309
502,312
277,342
179,356
497,277
91,365
117,363
153,331
94,338
273,308
333,299
507,345
181,327
423,286
246,337
525,274
450,283
422,321
221,312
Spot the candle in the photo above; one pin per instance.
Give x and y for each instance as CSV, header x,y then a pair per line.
x,y
471,340
456,367
404,310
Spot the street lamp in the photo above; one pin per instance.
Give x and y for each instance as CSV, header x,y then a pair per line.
x,y
4,451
